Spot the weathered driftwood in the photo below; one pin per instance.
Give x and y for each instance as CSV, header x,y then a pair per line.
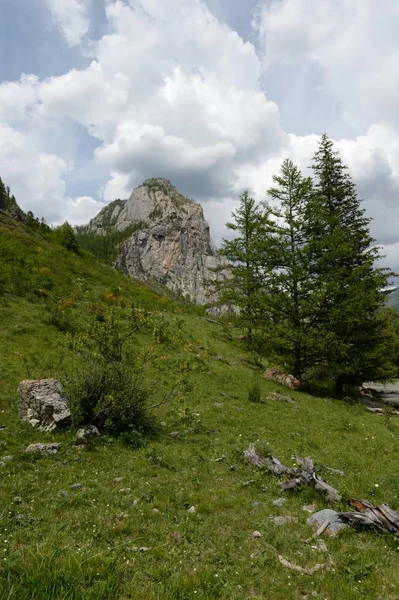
x,y
281,377
305,475
253,457
380,517
306,570
308,476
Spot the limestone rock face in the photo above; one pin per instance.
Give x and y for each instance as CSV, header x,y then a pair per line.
x,y
43,405
171,243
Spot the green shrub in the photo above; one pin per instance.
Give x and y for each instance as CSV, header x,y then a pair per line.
x,y
108,390
254,393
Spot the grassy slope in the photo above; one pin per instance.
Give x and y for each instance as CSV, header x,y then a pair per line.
x,y
80,546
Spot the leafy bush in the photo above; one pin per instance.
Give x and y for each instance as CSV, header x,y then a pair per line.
x,y
254,393
109,389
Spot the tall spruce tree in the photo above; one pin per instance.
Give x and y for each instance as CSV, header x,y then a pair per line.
x,y
241,287
288,293
347,311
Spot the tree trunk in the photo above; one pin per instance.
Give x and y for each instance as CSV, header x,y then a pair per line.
x,y
298,362
339,386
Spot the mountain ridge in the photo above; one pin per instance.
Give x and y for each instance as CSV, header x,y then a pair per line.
x,y
169,239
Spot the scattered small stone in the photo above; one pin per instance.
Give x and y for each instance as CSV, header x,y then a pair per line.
x,y
256,534
20,517
76,486
63,493
264,488
117,479
156,511
246,483
122,516
174,434
17,500
43,448
141,549
135,502
163,424
192,509
334,522
279,502
255,503
282,520
2,427
87,433
310,508
2,463
8,458
124,490
219,404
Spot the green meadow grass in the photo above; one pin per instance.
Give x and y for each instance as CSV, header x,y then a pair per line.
x,y
134,538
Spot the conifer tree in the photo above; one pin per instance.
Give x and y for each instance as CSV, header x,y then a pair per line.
x,y
244,281
288,293
350,287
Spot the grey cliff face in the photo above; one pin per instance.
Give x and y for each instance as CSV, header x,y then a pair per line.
x,y
172,242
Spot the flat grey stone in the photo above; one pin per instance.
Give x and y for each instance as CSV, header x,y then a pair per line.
x,y
43,448
76,486
8,458
17,500
318,519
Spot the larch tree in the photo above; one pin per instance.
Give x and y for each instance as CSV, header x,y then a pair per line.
x,y
288,293
243,282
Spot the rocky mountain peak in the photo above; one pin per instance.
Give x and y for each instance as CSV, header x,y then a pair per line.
x,y
169,240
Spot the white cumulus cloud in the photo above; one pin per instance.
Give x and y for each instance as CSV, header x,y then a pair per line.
x,y
71,16
173,92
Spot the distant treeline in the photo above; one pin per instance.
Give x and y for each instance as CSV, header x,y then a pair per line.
x,y
106,247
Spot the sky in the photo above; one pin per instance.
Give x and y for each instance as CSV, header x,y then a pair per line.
x,y
98,95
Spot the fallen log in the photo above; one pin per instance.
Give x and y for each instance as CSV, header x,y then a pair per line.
x,y
305,475
381,517
281,377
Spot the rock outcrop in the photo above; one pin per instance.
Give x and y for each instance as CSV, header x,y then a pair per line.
x,y
43,405
169,240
